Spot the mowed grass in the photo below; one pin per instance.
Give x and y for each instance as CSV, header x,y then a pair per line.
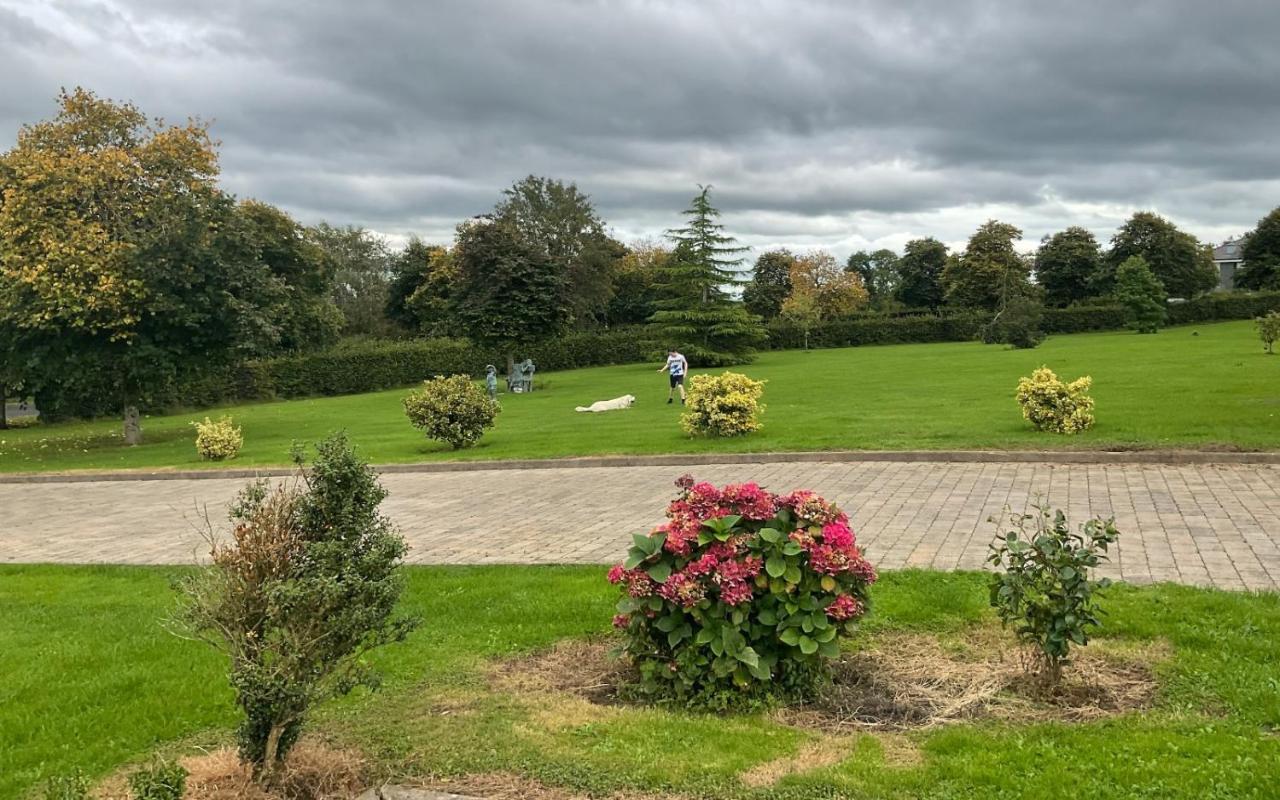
x,y
93,682
1210,386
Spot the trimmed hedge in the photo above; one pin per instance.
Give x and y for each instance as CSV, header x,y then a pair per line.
x,y
357,366
856,331
1221,306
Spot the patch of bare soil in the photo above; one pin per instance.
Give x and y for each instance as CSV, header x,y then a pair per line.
x,y
505,786
918,681
896,682
312,771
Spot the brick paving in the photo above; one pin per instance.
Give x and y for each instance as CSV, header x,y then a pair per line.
x,y
1203,524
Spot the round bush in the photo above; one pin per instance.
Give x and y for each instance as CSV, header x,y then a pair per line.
x,y
453,410
1051,405
218,441
741,597
722,405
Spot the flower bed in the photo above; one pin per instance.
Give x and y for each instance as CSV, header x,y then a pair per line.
x,y
740,598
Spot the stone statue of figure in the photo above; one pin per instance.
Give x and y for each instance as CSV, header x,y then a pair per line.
x,y
491,380
521,377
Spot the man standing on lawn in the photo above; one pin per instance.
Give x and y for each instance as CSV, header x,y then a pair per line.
x,y
678,366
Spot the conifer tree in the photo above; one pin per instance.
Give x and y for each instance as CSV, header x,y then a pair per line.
x,y
697,313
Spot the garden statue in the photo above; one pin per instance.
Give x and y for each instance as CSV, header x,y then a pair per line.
x,y
521,377
491,380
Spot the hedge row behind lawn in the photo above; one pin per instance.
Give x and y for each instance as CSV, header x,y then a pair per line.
x,y
358,366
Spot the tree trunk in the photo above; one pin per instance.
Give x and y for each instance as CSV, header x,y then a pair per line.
x,y
511,362
271,756
4,407
806,338
132,425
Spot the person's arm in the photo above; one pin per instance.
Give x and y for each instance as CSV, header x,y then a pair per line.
x,y
663,368
685,362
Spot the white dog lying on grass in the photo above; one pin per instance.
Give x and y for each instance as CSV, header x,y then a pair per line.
x,y
616,404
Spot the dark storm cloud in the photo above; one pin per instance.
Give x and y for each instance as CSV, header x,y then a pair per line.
x,y
831,124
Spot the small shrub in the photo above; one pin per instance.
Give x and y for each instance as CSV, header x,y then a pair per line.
x,y
1018,324
1269,330
218,441
160,781
1044,589
1051,405
740,598
723,405
67,787
453,410
1142,294
306,587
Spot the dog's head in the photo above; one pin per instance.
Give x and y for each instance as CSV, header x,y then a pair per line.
x,y
631,399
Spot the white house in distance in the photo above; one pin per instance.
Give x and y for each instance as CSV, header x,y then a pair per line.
x,y
1226,257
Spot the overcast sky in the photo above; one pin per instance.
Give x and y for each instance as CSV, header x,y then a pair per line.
x,y
842,125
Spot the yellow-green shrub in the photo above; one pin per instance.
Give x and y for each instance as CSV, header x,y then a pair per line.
x,y
722,405
453,409
1052,405
218,441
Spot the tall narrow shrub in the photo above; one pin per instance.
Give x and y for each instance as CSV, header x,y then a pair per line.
x,y
307,585
1142,295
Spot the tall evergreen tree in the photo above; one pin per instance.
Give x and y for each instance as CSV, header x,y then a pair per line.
x,y
697,314
1260,268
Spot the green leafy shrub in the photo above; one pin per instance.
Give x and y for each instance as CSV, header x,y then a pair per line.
x,y
218,441
1269,330
722,405
1142,294
876,329
453,410
160,781
1051,405
306,587
67,787
1043,588
1018,324
740,598
1085,318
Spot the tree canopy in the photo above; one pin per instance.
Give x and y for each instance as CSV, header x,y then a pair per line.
x,y
696,312
121,262
879,272
920,273
989,271
770,283
1065,265
560,222
1142,294
1182,264
360,263
1260,265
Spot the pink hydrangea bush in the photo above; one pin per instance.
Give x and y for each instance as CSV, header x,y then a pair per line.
x,y
740,597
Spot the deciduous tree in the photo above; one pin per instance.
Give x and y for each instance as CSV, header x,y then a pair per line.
x,y
1065,265
1260,265
836,293
635,283
770,283
361,265
560,222
989,271
109,249
920,273
507,293
1182,264
879,271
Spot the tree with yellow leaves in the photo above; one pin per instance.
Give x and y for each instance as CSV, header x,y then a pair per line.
x,y
121,261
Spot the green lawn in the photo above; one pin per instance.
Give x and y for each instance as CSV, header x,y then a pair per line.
x,y
1209,386
92,681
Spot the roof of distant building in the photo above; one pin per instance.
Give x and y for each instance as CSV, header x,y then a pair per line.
x,y
1228,250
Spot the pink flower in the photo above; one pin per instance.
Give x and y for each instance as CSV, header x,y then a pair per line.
x,y
837,534
621,621
749,501
738,571
735,593
685,482
683,589
811,508
616,574
639,584
844,607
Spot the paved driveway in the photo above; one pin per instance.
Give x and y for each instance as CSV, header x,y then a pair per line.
x,y
1215,525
